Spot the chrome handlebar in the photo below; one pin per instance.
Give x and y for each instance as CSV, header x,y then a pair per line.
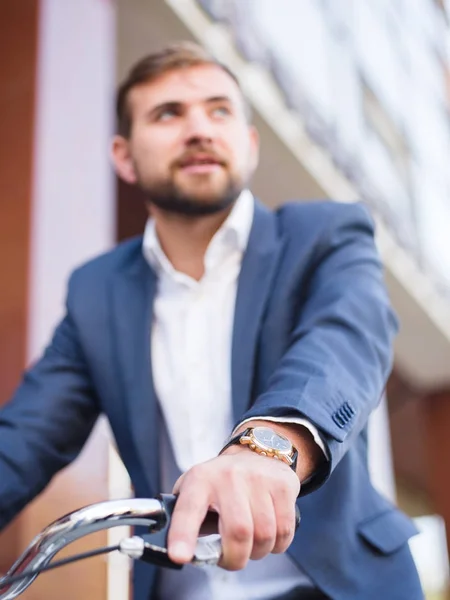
x,y
153,513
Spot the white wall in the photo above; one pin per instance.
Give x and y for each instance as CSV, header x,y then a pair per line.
x,y
73,215
73,198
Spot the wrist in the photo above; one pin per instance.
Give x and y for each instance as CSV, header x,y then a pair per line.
x,y
310,455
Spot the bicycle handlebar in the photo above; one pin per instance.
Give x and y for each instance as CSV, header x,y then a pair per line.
x,y
153,513
134,511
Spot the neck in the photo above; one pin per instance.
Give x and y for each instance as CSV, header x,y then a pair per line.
x,y
185,239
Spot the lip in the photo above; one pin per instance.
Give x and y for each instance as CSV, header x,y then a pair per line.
x,y
201,162
198,168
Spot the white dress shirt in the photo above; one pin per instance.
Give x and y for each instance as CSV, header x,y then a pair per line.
x,y
191,365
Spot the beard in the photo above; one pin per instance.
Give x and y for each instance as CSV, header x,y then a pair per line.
x,y
170,196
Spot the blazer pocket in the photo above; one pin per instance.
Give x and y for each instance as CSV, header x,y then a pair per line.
x,y
387,531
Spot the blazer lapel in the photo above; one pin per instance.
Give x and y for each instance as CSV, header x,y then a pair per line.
x,y
133,292
132,297
254,285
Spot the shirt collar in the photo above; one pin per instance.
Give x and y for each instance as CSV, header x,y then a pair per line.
x,y
236,229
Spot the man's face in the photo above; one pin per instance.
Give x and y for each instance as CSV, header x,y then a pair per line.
x,y
190,148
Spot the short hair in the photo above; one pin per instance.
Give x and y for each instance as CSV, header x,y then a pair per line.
x,y
179,55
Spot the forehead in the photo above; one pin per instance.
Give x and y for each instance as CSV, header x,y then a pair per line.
x,y
188,86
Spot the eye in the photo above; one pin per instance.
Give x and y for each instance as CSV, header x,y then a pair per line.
x,y
221,111
166,114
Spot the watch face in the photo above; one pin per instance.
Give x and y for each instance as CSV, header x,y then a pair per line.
x,y
271,440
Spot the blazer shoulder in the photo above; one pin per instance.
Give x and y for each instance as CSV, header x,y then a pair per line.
x,y
100,268
323,215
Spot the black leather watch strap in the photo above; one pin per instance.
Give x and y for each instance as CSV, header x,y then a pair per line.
x,y
235,439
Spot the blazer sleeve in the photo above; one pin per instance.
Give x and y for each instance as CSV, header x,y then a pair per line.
x,y
340,350
46,423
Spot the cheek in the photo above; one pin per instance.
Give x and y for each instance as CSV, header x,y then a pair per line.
x,y
151,155
242,153
144,146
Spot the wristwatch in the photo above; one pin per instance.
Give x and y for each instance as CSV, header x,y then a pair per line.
x,y
266,442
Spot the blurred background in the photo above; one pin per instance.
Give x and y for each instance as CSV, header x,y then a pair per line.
x,y
352,100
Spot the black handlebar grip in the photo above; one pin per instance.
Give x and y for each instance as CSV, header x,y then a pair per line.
x,y
298,517
168,502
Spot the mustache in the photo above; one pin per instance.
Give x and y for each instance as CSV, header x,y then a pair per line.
x,y
199,153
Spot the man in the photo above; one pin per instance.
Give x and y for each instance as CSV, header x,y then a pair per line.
x,y
225,321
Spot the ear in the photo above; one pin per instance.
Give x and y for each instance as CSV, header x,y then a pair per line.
x,y
121,157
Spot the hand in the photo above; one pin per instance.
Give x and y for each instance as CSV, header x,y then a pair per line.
x,y
254,497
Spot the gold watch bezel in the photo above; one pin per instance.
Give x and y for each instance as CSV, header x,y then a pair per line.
x,y
264,450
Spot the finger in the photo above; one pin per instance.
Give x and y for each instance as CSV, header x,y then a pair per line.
x,y
236,529
284,507
188,515
177,485
265,526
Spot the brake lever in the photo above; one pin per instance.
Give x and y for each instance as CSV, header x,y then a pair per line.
x,y
152,548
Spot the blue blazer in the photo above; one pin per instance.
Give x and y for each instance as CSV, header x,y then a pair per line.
x,y
312,337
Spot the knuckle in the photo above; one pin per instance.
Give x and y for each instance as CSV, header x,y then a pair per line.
x,y
294,487
241,531
197,475
284,530
233,471
228,473
289,486
265,533
264,536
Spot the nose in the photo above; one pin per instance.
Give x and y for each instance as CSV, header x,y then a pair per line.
x,y
198,126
